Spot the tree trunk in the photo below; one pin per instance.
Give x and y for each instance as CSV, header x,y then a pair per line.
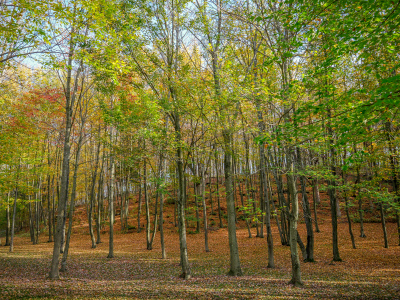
x,y
100,192
186,273
126,201
153,235
217,189
360,209
53,207
346,201
316,201
293,217
92,195
203,198
139,203
13,219
266,204
64,223
162,177
394,173
147,204
90,215
196,186
49,207
72,205
307,213
332,193
235,269
385,239
31,224
37,213
8,227
282,207
317,198
210,190
111,201
69,107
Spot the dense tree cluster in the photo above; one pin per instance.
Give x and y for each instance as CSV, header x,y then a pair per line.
x,y
248,104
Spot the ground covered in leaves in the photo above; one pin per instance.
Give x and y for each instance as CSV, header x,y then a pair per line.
x,y
368,272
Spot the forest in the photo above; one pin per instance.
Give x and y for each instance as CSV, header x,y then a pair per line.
x,y
199,149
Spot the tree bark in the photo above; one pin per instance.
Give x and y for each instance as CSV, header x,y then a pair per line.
x,y
307,213
267,205
186,273
13,218
332,192
203,198
100,192
235,268
394,173
111,199
162,177
8,226
72,205
92,196
147,204
217,189
346,201
316,201
139,203
69,107
293,217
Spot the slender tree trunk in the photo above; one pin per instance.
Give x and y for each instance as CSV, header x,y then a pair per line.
x,y
360,209
13,218
210,191
235,268
92,196
346,201
147,204
307,213
70,100
53,207
100,192
317,198
111,200
139,203
126,201
37,214
196,186
385,239
283,208
394,173
203,198
72,205
273,204
302,247
49,208
153,235
316,201
245,213
186,273
234,182
266,204
162,177
293,216
31,224
64,223
332,193
8,227
217,188
90,219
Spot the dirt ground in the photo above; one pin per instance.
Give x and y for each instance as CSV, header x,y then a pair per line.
x,y
368,272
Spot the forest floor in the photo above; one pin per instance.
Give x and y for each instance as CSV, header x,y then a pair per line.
x,y
368,272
